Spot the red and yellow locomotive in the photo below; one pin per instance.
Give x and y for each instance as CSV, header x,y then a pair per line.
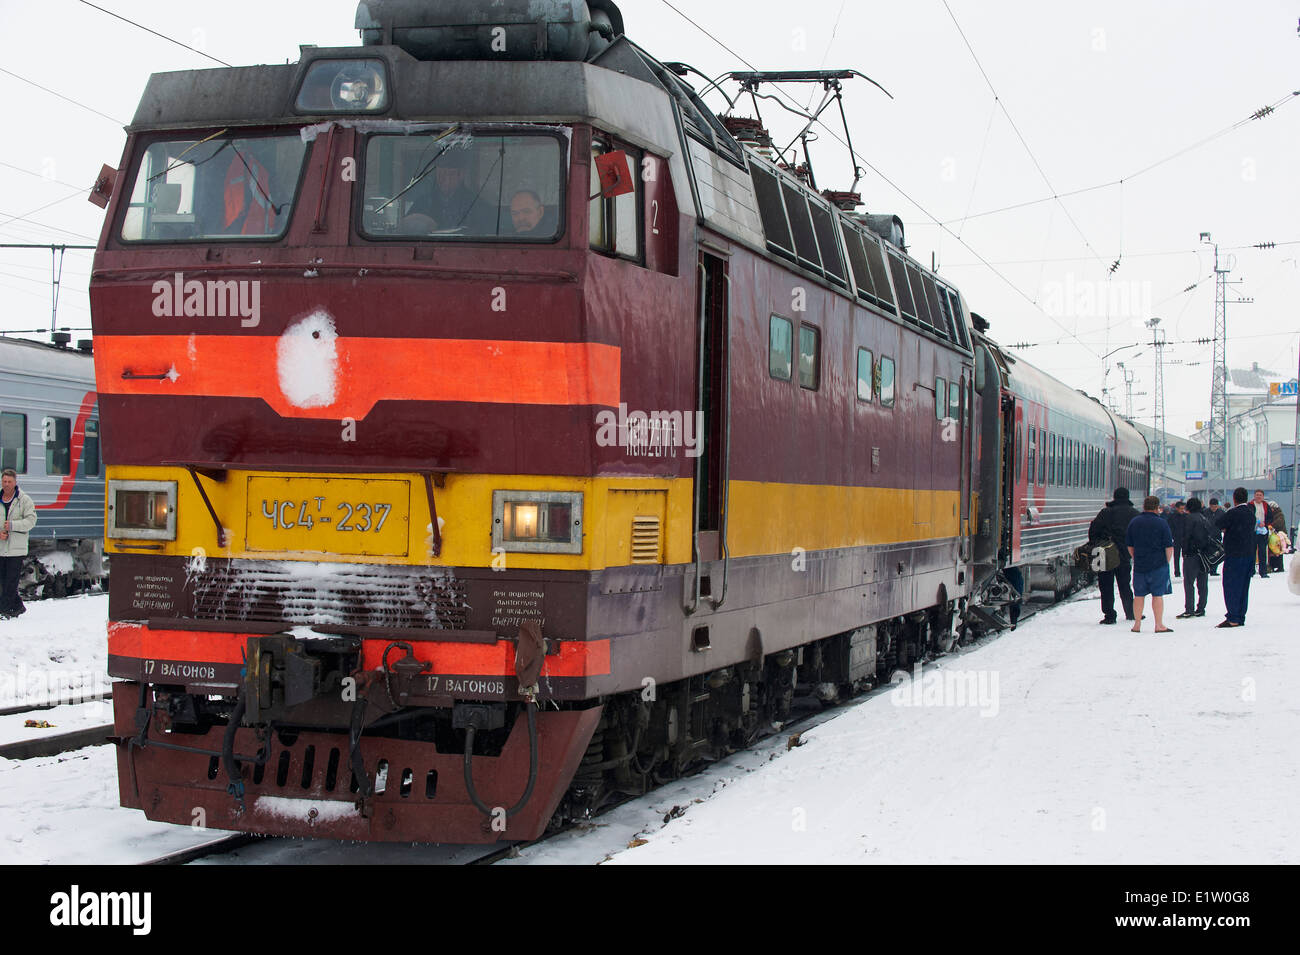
x,y
488,430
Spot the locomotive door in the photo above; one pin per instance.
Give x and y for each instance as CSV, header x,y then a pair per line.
x,y
926,432
711,467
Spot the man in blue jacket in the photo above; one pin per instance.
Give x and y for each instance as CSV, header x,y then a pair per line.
x,y
1238,526
1151,545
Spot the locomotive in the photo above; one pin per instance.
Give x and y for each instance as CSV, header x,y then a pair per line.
x,y
49,435
489,430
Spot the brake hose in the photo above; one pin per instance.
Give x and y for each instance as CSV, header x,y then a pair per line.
x,y
531,706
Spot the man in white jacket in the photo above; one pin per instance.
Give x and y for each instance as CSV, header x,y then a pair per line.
x,y
19,517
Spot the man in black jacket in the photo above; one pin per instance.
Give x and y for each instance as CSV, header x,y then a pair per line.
x,y
1216,535
1196,541
1110,526
1238,526
1176,515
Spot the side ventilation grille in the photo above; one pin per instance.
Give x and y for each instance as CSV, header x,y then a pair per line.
x,y
645,540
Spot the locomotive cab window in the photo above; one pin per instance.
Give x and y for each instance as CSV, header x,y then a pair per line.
x,y
866,375
614,223
224,187
780,348
13,441
58,445
887,382
809,357
464,185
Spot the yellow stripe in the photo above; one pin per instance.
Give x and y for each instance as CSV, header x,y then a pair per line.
x,y
775,518
766,518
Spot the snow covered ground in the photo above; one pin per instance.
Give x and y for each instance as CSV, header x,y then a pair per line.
x,y
1061,742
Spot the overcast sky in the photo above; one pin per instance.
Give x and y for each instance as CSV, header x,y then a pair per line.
x,y
1099,92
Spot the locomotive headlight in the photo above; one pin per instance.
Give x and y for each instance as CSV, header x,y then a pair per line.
x,y
546,522
344,86
141,510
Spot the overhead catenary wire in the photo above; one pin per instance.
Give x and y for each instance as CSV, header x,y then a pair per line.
x,y
161,36
858,157
67,99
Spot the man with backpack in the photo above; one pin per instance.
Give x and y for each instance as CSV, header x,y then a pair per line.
x,y
1109,527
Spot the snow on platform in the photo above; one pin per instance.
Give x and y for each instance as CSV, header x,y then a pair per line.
x,y
1098,746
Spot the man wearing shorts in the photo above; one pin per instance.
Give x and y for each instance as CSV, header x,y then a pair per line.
x,y
1151,545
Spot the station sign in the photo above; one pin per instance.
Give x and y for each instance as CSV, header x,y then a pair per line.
x,y
1195,476
1284,388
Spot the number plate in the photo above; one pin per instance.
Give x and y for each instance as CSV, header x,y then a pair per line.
x,y
329,516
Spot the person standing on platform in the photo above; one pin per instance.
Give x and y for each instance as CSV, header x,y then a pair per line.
x,y
1110,526
1215,534
16,522
1176,515
1196,541
1260,510
1151,546
1238,526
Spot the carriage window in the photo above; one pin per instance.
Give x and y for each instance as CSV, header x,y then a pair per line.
x,y
91,453
1051,459
1033,449
780,350
940,398
473,184
809,357
1042,456
225,187
887,382
866,375
58,445
13,441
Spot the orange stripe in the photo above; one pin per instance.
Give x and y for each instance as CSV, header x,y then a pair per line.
x,y
367,370
576,658
78,442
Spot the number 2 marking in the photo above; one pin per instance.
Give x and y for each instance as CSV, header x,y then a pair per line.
x,y
654,216
343,524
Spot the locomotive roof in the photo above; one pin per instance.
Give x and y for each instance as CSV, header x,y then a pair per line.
x,y
451,90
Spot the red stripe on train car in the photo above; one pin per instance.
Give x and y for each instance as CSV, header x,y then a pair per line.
x,y
78,442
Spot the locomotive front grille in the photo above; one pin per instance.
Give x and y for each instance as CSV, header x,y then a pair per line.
x,y
343,595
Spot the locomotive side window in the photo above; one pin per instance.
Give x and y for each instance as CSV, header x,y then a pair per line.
x,y
223,187
809,357
824,227
91,453
614,223
468,185
805,240
918,296
958,321
940,398
772,211
13,441
866,375
780,348
899,271
58,445
879,275
954,401
887,382
937,317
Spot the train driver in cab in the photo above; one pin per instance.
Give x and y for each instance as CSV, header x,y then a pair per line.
x,y
529,216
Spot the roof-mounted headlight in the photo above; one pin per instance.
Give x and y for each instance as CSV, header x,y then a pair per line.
x,y
344,86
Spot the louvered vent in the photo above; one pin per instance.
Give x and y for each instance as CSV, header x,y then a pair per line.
x,y
645,540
